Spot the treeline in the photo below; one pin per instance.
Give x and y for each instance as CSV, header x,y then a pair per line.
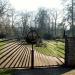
x,y
47,22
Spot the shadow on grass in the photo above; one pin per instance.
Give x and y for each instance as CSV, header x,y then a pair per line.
x,y
6,72
42,71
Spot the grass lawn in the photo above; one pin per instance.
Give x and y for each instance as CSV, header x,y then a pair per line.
x,y
2,43
52,48
6,72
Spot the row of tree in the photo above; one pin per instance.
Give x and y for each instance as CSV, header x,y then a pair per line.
x,y
44,21
69,17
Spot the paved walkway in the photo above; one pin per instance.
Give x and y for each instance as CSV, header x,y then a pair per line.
x,y
43,60
16,55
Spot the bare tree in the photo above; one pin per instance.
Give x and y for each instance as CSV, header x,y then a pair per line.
x,y
25,24
54,15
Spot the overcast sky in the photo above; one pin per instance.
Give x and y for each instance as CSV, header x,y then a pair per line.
x,y
32,5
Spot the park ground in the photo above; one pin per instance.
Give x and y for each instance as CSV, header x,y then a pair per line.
x,y
49,48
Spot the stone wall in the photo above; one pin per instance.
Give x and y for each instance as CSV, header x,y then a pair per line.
x,y
70,51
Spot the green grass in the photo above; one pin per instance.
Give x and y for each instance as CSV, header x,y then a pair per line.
x,y
52,48
2,43
6,72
